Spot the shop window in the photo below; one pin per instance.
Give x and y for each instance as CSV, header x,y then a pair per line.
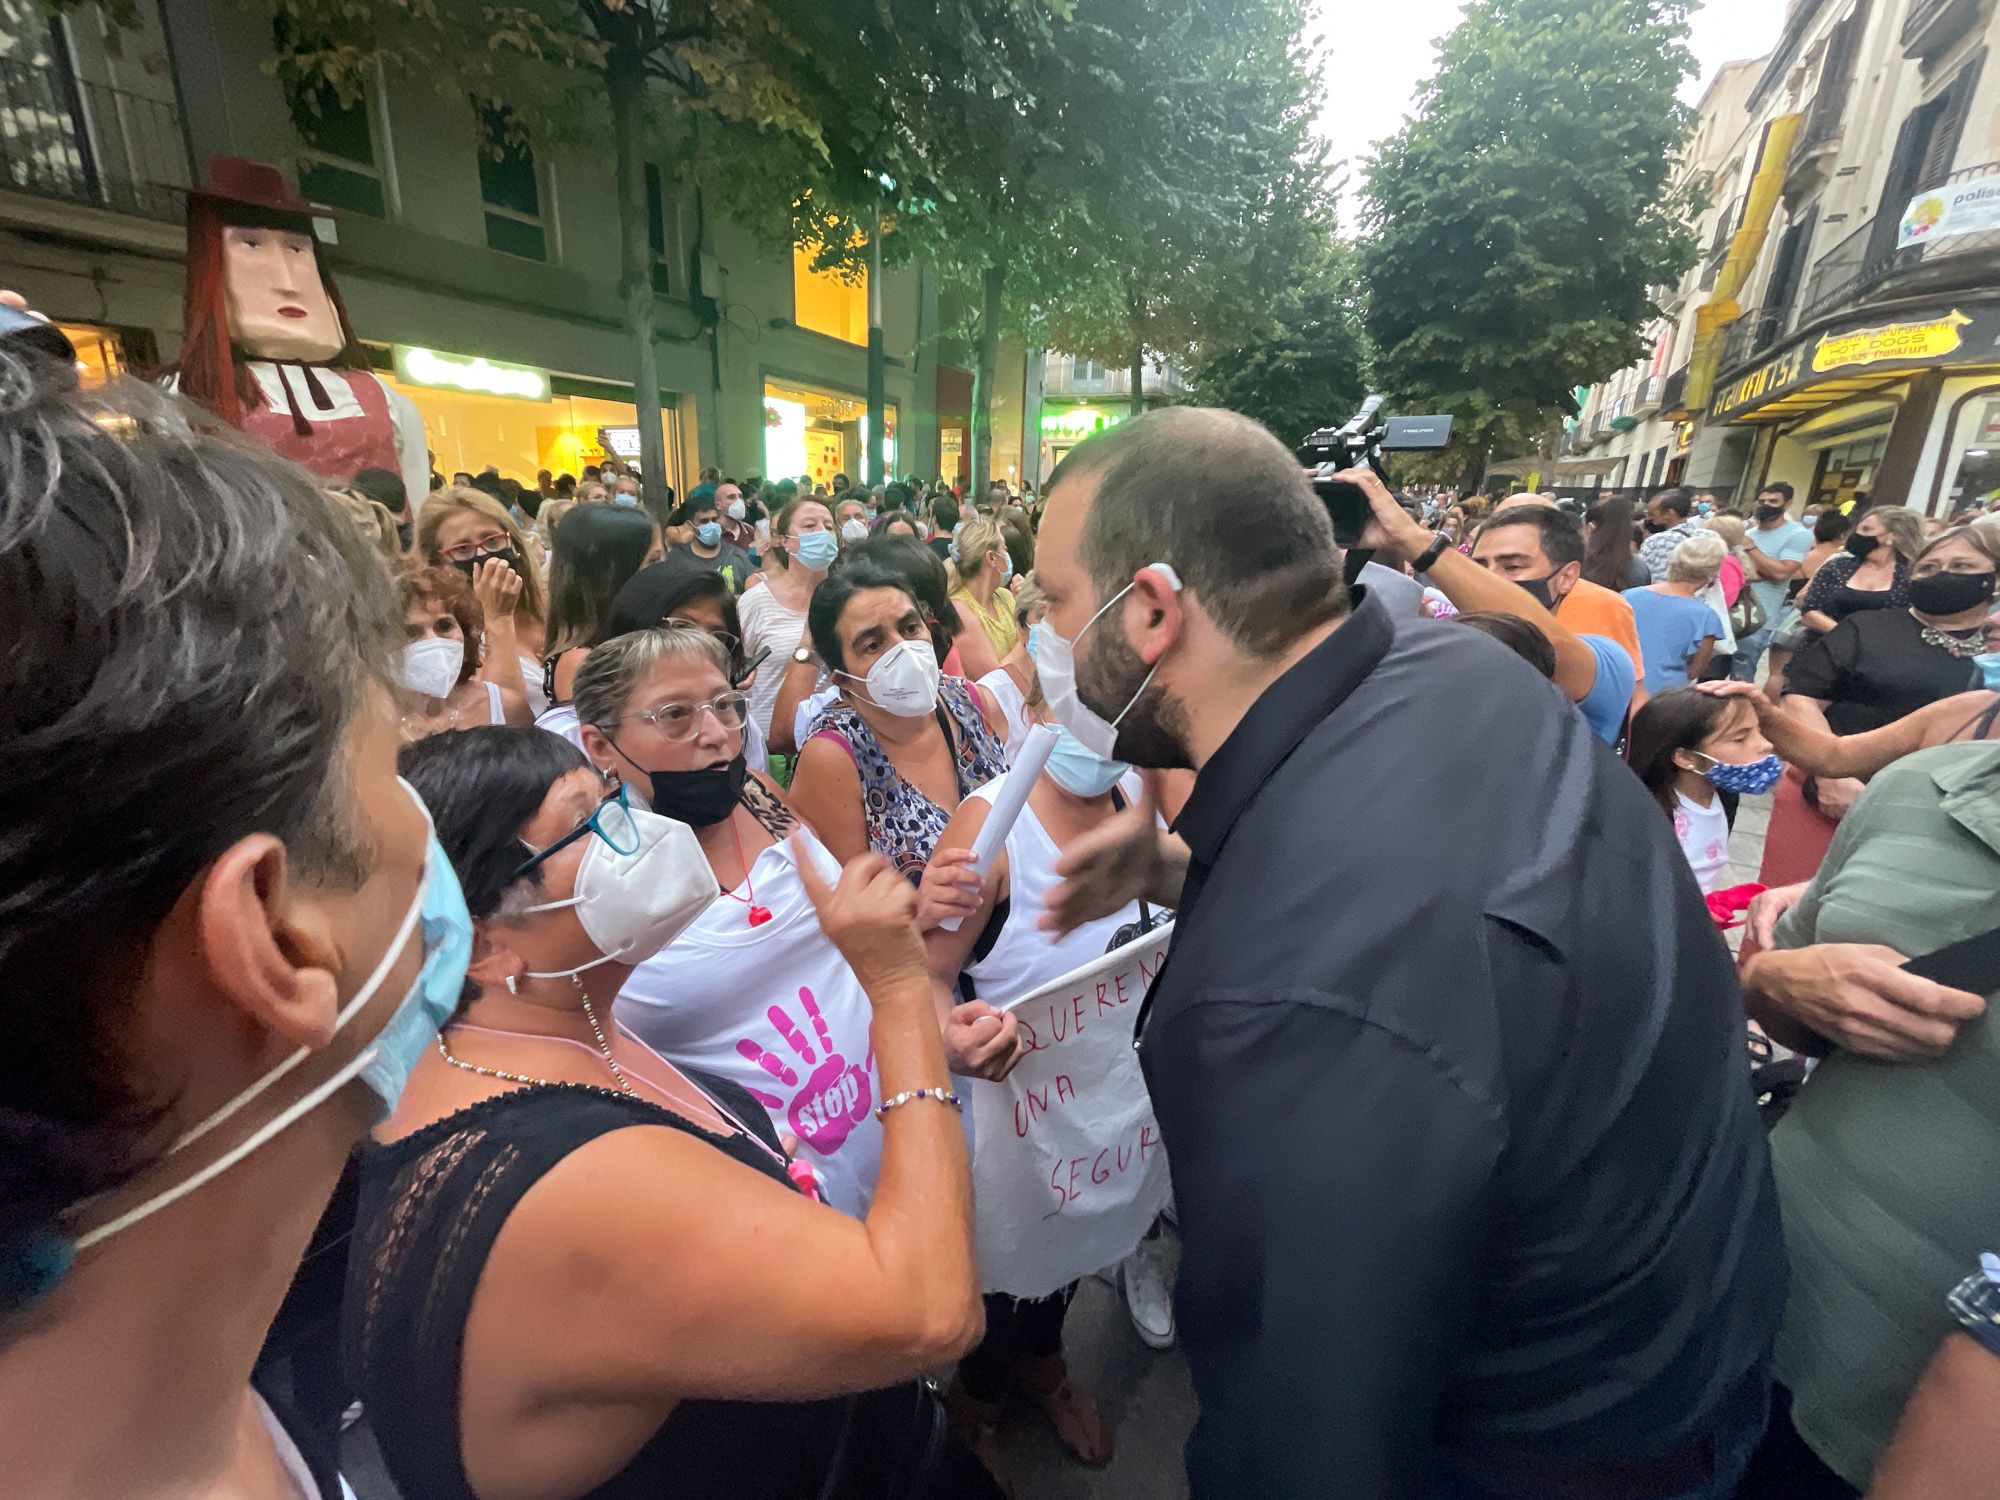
x,y
340,165
510,186
1974,442
816,434
824,302
1848,469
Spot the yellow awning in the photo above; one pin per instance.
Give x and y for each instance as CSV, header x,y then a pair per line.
x,y
1722,309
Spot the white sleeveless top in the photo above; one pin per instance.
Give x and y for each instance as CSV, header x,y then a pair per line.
x,y
495,714
1025,956
1013,706
776,1009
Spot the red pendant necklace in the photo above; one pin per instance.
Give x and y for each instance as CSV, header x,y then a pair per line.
x,y
759,915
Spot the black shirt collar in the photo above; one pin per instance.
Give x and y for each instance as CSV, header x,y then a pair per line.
x,y
1283,715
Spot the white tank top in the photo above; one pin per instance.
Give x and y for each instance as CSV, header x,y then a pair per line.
x,y
1025,956
776,1009
1013,707
494,712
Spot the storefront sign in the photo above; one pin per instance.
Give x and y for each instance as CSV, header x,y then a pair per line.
x,y
1968,207
1899,341
1941,336
1078,421
481,377
1068,1169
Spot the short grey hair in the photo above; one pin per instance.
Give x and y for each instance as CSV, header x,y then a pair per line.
x,y
605,681
1219,498
191,627
1697,559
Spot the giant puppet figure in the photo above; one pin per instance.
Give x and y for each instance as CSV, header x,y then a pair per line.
x,y
266,342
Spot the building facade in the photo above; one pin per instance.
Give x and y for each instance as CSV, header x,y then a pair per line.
x,y
1848,337
448,243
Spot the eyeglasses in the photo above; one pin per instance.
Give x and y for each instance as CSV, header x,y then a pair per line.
x,y
486,546
679,721
612,822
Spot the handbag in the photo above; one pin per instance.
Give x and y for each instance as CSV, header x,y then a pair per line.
x,y
1746,615
891,1445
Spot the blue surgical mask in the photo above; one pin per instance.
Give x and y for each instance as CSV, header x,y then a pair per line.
x,y
1080,771
818,549
622,497
1006,569
709,533
1751,780
1989,669
439,914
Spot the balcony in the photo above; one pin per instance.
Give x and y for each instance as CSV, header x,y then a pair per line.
x,y
1064,375
89,143
1854,270
1673,400
1651,390
1718,250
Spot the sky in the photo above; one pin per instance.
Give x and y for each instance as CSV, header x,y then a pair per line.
x,y
1379,53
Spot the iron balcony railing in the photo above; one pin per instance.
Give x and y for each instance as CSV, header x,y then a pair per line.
x,y
1852,268
88,142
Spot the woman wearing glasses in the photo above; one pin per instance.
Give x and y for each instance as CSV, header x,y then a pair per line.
x,y
462,528
581,1271
753,991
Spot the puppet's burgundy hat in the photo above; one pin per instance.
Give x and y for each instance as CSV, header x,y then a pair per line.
x,y
242,183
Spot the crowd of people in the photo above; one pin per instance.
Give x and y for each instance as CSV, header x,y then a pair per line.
x,y
510,964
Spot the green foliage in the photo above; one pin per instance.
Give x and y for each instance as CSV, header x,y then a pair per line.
x,y
1303,365
1520,219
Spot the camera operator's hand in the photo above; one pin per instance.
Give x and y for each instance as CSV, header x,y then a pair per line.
x,y
1390,528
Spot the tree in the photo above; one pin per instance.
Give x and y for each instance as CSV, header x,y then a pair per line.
x,y
1303,366
1202,181
1519,221
781,98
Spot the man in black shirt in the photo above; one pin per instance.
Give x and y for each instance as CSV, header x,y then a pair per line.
x,y
1474,1198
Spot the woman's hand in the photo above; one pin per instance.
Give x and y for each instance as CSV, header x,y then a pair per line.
x,y
871,917
1860,996
981,1042
1769,905
951,888
497,587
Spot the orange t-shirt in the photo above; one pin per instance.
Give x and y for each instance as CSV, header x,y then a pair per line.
x,y
1592,609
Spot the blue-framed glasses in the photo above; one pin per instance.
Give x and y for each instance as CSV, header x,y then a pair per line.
x,y
612,822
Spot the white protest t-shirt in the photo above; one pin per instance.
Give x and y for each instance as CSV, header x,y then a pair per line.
x,y
1024,956
776,1009
1704,836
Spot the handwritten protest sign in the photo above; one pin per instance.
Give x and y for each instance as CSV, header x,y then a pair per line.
x,y
1069,1170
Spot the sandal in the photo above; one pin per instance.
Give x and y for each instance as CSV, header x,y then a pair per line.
x,y
1079,1425
977,1424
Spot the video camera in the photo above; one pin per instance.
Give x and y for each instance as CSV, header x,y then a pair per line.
x,y
1365,438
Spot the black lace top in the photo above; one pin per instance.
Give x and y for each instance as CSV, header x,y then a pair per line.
x,y
432,1205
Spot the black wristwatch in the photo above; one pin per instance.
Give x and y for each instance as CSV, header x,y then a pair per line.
x,y
1423,560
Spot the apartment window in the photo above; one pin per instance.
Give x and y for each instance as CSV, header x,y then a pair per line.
x,y
660,222
825,303
1089,372
1925,148
341,164
1787,268
510,186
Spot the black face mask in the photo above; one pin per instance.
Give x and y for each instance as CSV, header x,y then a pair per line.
x,y
1950,593
1766,514
404,530
1539,589
1859,545
470,565
1653,527
699,798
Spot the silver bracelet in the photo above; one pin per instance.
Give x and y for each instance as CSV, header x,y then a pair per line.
x,y
943,1096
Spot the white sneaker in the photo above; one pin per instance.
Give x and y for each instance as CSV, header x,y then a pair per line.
x,y
1149,1296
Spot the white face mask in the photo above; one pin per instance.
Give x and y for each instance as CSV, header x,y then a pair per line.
x,y
431,667
854,531
737,510
633,905
904,679
384,1064
1055,666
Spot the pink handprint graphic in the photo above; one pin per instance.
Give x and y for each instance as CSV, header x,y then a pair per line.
x,y
833,1099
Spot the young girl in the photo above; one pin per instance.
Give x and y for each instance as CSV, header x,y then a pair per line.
x,y
1689,747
